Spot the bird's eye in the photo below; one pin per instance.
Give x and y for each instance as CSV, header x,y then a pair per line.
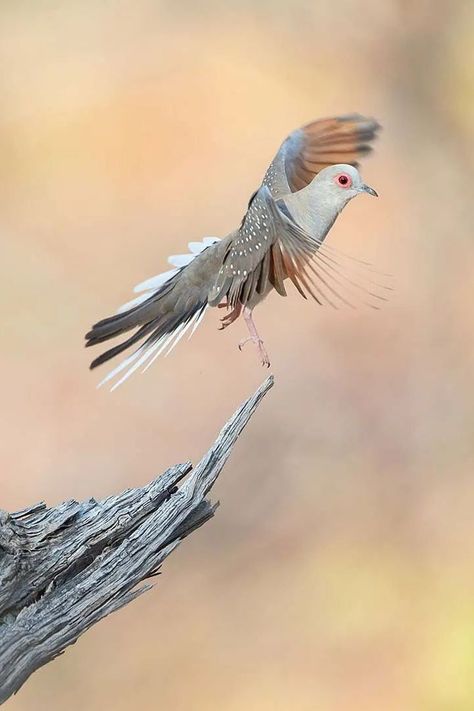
x,y
343,180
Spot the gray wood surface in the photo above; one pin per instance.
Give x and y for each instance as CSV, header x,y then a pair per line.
x,y
63,569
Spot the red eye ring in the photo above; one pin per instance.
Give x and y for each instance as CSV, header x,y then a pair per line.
x,y
343,180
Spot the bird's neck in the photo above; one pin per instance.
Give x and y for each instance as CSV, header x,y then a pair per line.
x,y
311,213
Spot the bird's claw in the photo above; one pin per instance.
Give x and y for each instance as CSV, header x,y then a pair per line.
x,y
265,361
230,317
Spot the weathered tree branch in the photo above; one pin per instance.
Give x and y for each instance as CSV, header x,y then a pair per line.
x,y
65,568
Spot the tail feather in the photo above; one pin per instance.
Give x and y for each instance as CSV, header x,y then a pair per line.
x,y
116,350
171,304
153,347
134,302
125,321
155,282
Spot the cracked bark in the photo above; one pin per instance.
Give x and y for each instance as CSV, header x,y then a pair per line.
x,y
63,569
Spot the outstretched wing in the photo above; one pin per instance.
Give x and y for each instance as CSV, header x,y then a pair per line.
x,y
268,248
306,151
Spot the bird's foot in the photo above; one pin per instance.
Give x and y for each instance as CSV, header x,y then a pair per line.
x,y
230,317
265,360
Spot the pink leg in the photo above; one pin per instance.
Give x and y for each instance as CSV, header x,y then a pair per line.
x,y
254,337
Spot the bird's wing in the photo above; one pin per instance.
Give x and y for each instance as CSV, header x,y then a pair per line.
x,y
268,248
306,151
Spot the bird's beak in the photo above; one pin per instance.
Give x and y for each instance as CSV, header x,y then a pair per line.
x,y
368,189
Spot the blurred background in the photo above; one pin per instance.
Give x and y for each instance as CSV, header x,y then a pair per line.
x,y
338,572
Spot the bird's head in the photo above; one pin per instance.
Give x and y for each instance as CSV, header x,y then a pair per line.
x,y
340,183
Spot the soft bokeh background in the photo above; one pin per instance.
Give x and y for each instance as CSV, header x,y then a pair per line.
x,y
338,574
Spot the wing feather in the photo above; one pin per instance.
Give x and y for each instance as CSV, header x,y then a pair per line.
x,y
269,246
306,151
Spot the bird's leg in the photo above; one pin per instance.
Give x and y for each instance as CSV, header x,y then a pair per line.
x,y
254,337
230,317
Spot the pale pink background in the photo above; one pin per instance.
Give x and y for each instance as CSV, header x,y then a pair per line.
x,y
338,573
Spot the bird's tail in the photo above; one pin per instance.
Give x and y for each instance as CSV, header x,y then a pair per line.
x,y
168,306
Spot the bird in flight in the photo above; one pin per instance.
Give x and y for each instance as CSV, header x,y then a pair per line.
x,y
310,180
